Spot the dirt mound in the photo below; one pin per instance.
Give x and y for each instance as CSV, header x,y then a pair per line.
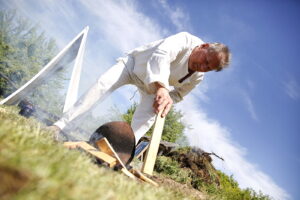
x,y
198,161
183,188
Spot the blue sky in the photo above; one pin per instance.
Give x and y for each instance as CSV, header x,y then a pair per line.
x,y
246,114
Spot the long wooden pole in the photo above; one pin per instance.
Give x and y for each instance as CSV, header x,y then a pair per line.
x,y
151,153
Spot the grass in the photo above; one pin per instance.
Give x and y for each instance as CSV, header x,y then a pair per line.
x,y
33,166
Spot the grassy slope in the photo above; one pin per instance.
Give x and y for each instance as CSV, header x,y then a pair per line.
x,y
33,166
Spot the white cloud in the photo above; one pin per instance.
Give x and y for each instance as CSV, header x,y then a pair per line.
x,y
201,93
292,88
122,24
250,106
176,15
211,136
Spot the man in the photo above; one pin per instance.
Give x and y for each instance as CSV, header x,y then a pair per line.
x,y
164,72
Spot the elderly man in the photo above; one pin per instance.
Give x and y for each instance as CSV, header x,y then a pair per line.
x,y
164,72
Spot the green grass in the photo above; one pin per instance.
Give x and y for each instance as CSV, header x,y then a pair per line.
x,y
33,166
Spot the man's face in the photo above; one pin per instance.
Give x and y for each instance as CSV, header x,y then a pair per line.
x,y
201,60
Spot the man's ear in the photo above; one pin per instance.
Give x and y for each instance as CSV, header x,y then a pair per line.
x,y
205,45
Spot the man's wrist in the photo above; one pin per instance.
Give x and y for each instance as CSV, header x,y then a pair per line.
x,y
158,86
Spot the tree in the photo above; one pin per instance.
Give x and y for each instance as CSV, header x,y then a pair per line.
x,y
173,128
24,50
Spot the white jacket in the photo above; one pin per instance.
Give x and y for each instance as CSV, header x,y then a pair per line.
x,y
166,61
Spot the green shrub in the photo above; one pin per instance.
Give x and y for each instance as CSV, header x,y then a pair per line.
x,y
173,126
171,169
229,189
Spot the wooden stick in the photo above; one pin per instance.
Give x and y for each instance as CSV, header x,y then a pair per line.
x,y
151,154
110,160
104,146
108,155
141,176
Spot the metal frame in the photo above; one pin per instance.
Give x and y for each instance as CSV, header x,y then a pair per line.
x,y
74,50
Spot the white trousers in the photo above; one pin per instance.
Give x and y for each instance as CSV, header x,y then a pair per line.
x,y
118,75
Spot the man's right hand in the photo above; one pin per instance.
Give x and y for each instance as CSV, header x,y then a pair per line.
x,y
162,100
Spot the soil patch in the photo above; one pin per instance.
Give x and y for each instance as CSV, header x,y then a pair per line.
x,y
183,188
12,180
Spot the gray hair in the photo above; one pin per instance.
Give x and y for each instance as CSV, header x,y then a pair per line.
x,y
224,54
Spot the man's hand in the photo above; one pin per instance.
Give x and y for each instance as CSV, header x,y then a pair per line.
x,y
162,100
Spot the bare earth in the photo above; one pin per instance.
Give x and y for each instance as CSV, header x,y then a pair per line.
x,y
183,188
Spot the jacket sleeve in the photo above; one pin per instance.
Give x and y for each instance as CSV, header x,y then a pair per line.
x,y
178,93
158,66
